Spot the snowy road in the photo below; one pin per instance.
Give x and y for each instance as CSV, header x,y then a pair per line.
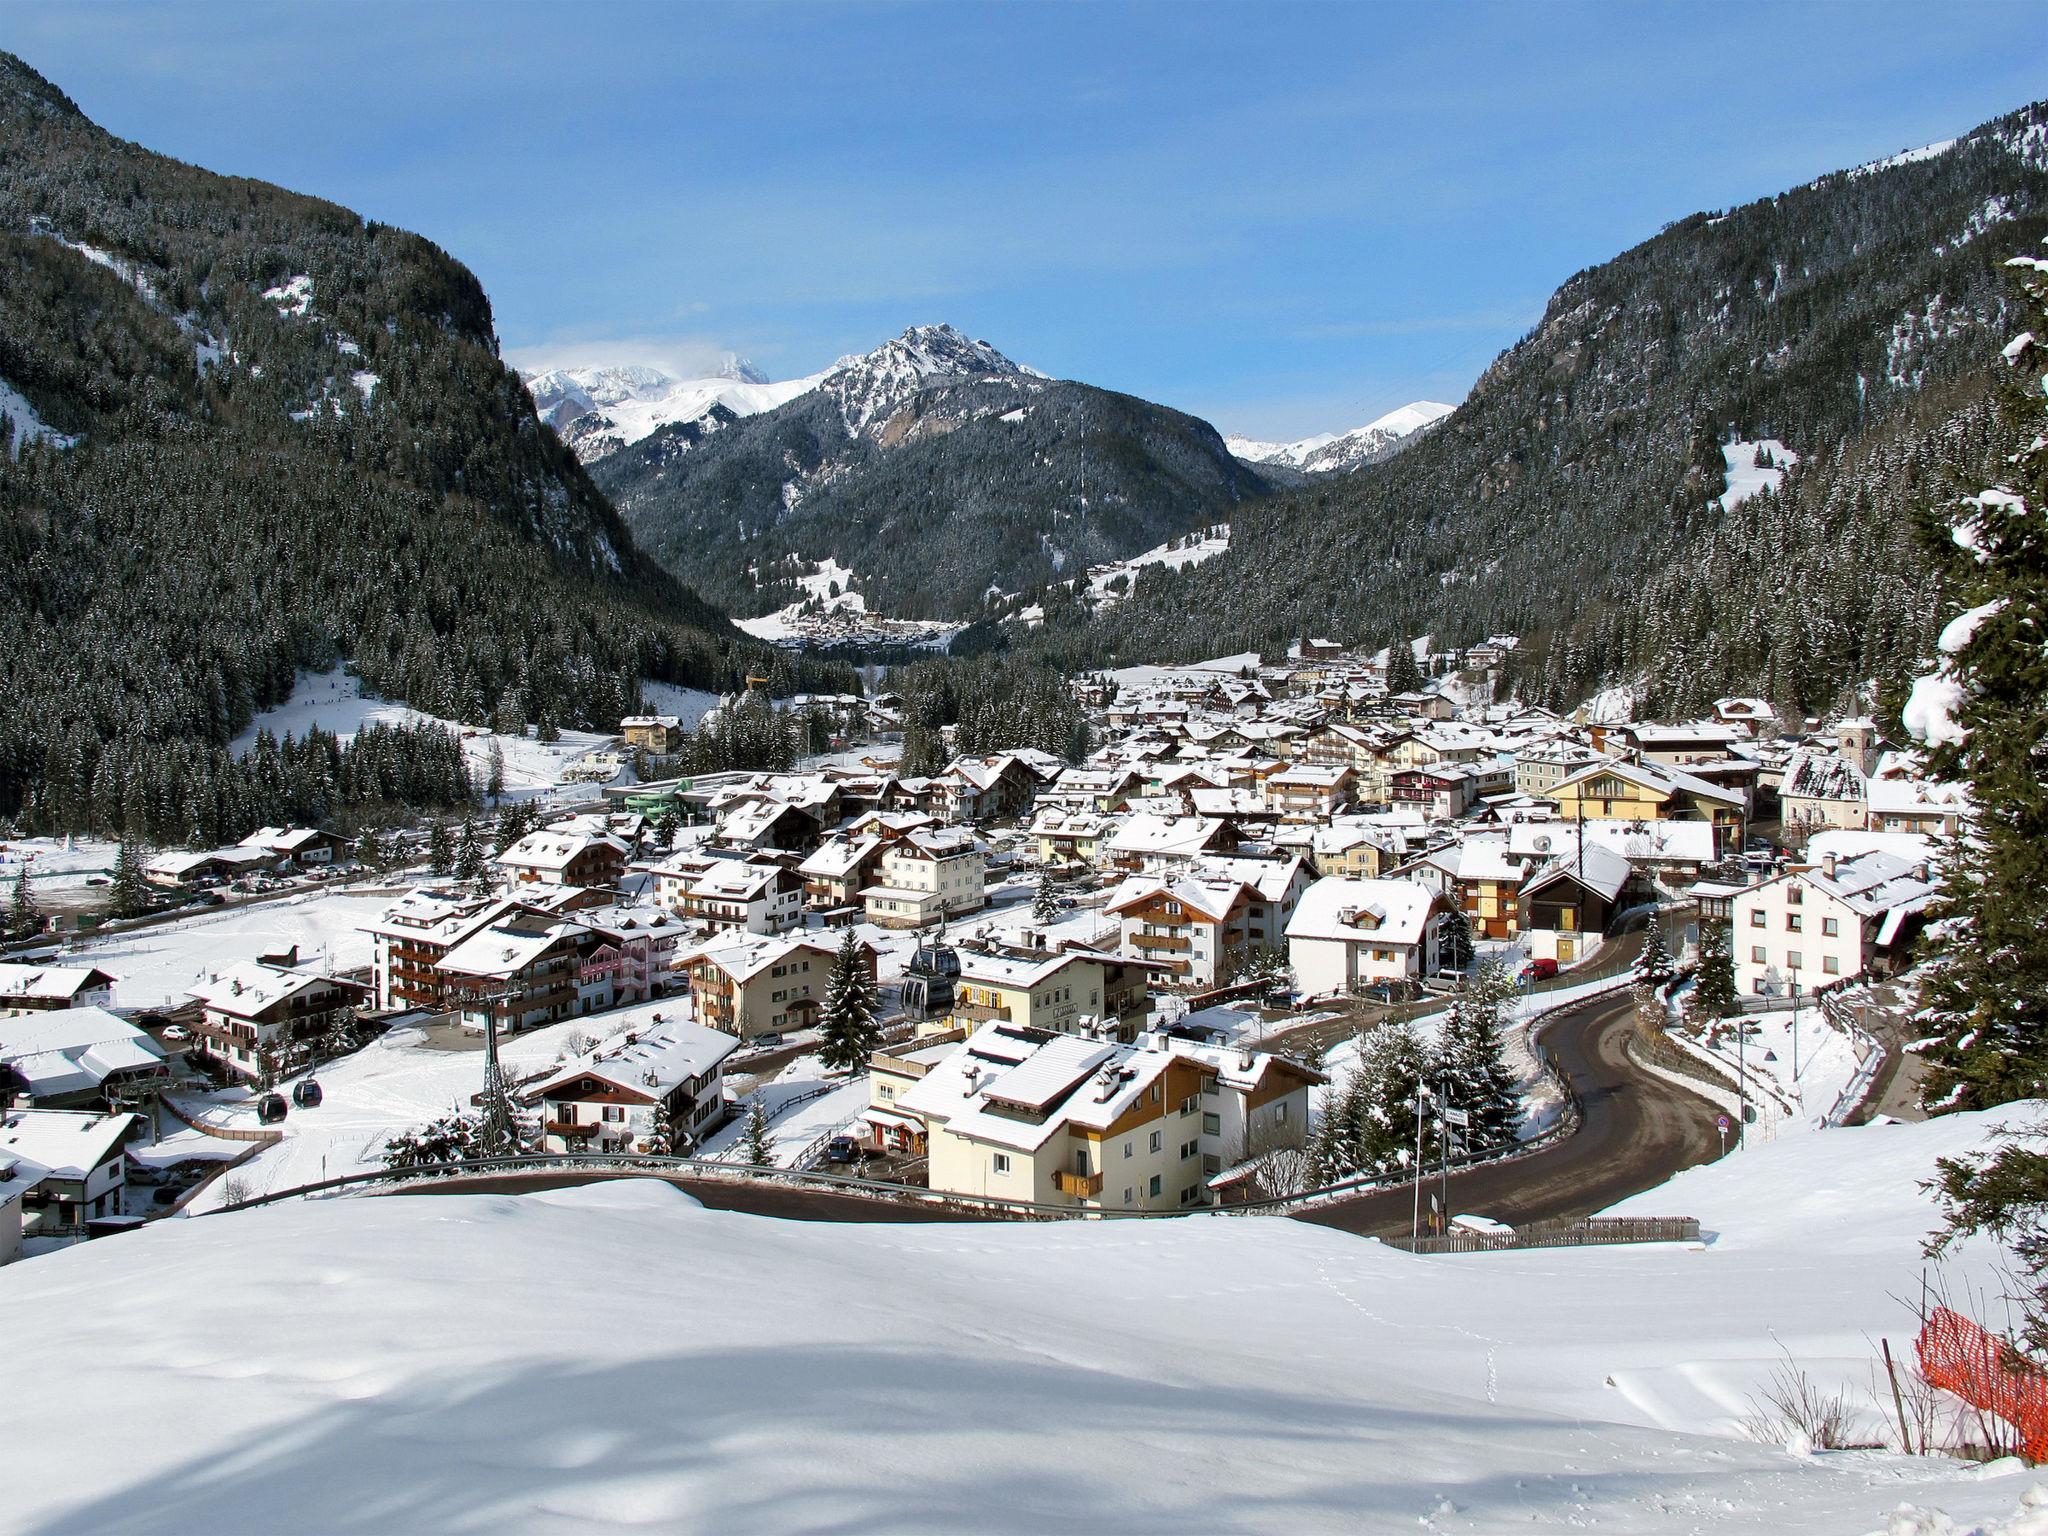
x,y
1636,1133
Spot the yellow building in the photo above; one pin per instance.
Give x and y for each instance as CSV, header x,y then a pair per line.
x,y
1617,791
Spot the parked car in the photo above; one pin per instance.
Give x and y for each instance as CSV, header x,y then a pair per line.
x,y
209,899
176,1034
843,1149
768,1039
1538,970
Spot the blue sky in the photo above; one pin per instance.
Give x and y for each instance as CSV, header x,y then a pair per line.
x,y
1286,219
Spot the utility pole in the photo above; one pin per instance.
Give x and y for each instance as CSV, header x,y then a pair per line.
x,y
1742,1079
1795,1041
1415,1224
495,1128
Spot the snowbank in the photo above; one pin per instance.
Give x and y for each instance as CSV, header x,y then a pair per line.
x,y
356,1363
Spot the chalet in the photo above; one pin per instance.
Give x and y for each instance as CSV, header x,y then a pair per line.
x,y
656,1085
1567,902
306,847
746,895
1195,927
1819,923
256,1019
656,734
1916,805
1149,844
1071,990
410,937
927,877
1540,766
769,826
1349,934
1020,1114
1754,718
749,986
35,988
74,1162
839,870
1306,792
519,970
1068,835
1478,876
1617,791
64,1057
589,860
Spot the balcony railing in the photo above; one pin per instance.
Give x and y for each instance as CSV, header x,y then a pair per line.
x,y
1159,941
1082,1186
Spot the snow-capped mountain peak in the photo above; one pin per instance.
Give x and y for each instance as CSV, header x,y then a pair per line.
x,y
1328,452
871,386
597,410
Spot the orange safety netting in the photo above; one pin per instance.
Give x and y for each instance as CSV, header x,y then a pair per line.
x,y
1986,1372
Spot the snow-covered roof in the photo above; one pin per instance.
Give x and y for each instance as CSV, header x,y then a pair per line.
x,y
67,1143
1872,883
48,983
1596,866
1916,797
549,849
1214,900
743,957
649,1053
838,857
1186,835
1393,912
1816,775
73,1050
249,990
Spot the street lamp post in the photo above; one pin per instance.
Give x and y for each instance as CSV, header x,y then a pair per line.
x,y
1795,1038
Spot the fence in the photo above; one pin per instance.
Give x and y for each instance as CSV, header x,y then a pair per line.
x,y
1589,1232
1986,1372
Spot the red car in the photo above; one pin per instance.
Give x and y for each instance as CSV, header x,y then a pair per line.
x,y
1539,970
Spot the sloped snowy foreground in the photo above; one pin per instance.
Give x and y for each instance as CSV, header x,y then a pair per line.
x,y
618,1358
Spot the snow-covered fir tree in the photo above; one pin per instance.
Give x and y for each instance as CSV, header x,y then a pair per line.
x,y
129,896
1713,986
849,1028
440,850
472,865
1979,713
24,917
1045,905
757,1147
1472,1061
1368,1127
1654,966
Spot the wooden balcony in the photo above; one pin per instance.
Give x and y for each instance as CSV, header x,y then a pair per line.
x,y
571,1130
1160,941
1082,1186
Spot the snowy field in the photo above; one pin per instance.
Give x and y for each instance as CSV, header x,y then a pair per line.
x,y
1175,556
1745,479
161,964
391,1085
57,869
355,1365
335,701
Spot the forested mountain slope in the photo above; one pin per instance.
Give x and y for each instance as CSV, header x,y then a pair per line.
x,y
248,432
1576,497
935,469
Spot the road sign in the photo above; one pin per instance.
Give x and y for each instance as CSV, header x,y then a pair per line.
x,y
1720,1122
1456,1117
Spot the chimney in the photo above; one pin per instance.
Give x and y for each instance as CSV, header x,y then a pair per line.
x,y
1920,872
1827,864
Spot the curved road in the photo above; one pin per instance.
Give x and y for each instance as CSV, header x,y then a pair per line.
x,y
1636,1131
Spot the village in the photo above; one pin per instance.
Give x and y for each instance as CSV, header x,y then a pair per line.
x,y
1128,984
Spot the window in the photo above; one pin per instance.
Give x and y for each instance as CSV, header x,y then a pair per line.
x,y
1794,923
1152,1188
1280,1113
1756,954
1212,1125
1831,965
1794,894
1756,918
1128,1192
1000,1162
613,1113
1127,1153
1190,1104
1158,1140
1188,1149
1831,927
1792,959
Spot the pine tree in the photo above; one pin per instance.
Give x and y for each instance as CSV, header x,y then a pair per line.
x,y
850,1030
757,1147
24,917
1403,675
471,866
440,850
1653,966
130,894
1713,985
1045,906
1474,1065
1454,940
662,1139
1985,993
494,786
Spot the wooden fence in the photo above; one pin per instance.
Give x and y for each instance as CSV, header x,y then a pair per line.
x,y
1592,1231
